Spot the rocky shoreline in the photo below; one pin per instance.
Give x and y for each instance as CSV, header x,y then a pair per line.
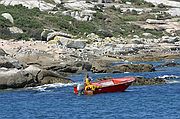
x,y
33,63
46,41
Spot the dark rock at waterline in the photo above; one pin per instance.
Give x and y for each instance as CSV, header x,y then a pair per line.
x,y
146,81
31,76
169,64
15,79
124,68
100,66
131,68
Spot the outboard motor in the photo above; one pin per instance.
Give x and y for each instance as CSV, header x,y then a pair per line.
x,y
80,88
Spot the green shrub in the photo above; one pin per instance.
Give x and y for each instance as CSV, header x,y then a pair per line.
x,y
5,33
139,3
22,36
99,15
28,22
4,22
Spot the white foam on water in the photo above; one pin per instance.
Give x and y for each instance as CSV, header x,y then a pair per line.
x,y
169,77
173,81
47,86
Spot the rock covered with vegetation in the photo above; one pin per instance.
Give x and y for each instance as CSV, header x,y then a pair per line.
x,y
118,20
78,36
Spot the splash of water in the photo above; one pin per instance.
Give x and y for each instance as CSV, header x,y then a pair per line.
x,y
173,81
169,77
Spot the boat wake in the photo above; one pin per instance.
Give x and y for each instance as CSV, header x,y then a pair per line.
x,y
47,87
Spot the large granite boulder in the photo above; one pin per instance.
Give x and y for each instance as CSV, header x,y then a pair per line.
x,y
43,5
123,68
46,76
147,81
52,35
15,30
33,56
100,66
167,39
15,78
44,34
154,21
131,68
76,44
169,64
31,76
9,62
8,16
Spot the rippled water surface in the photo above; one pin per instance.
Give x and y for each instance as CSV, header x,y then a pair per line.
x,y
57,101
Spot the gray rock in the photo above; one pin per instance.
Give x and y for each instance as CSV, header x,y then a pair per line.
x,y
65,68
14,30
146,81
154,21
61,40
169,64
31,76
136,41
15,79
2,52
167,39
50,36
8,16
131,68
44,34
41,4
76,44
31,56
147,34
9,62
123,68
143,81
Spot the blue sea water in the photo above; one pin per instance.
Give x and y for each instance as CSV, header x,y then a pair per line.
x,y
57,101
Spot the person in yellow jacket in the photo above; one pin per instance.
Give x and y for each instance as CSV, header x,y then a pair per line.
x,y
88,85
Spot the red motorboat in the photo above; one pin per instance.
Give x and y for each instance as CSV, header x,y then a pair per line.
x,y
108,85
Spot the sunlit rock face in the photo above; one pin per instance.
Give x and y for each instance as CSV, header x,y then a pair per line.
x,y
42,5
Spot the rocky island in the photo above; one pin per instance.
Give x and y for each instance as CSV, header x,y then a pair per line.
x,y
46,42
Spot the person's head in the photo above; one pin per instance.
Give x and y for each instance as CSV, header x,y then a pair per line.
x,y
87,76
